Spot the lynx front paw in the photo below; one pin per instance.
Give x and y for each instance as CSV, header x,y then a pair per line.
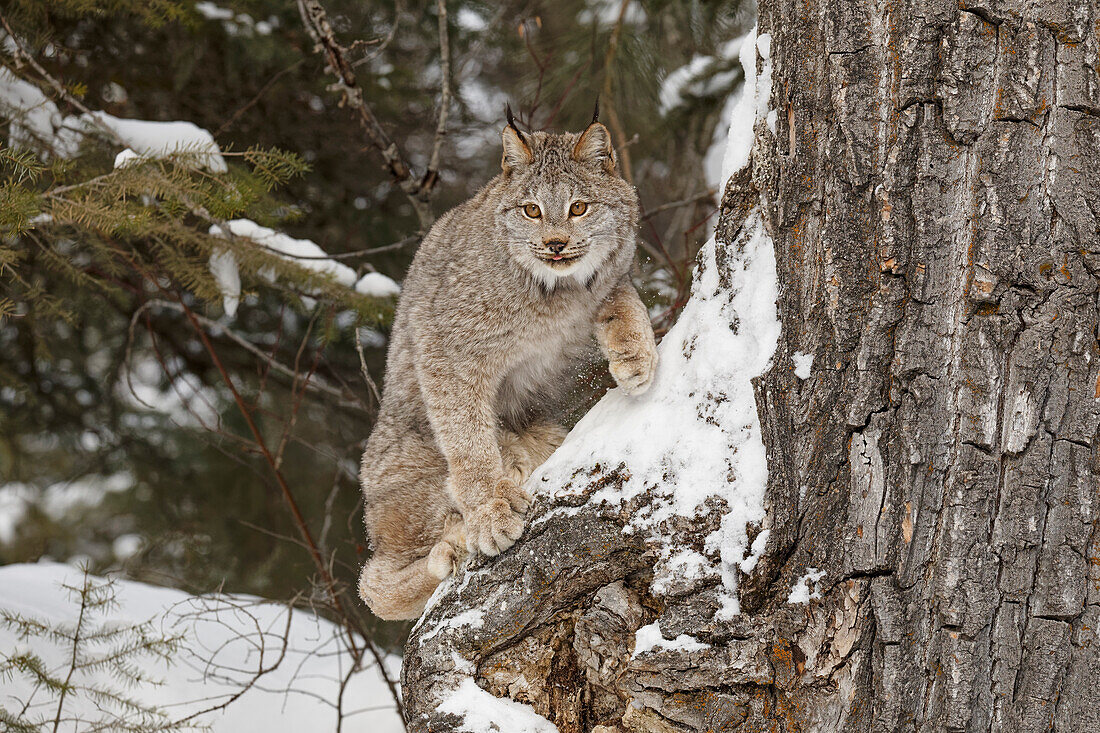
x,y
633,370
494,526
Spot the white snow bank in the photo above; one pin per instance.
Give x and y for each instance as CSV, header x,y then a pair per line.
x,y
483,712
226,640
649,637
696,434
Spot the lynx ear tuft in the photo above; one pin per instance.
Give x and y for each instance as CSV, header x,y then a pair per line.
x,y
517,153
594,146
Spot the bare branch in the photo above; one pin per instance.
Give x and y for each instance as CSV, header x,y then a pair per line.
x,y
701,196
259,95
431,175
363,367
316,22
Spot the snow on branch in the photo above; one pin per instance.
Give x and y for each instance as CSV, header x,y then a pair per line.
x,y
303,252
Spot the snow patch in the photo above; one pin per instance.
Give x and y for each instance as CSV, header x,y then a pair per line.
x,y
160,139
803,363
700,77
37,123
755,551
125,158
211,11
482,712
377,285
302,252
127,545
223,266
605,13
15,499
470,20
684,566
236,24
473,618
807,587
649,638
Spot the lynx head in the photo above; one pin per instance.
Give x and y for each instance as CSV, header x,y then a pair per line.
x,y
565,210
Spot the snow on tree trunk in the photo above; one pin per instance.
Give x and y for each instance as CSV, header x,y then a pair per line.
x,y
924,554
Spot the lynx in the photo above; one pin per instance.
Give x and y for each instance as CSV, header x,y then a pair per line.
x,y
498,307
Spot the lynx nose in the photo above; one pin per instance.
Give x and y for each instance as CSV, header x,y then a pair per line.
x,y
555,246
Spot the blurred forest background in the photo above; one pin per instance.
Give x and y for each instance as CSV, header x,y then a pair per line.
x,y
145,428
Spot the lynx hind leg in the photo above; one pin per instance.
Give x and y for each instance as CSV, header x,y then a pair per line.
x,y
417,534
523,452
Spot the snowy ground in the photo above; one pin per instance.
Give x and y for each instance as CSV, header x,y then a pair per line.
x,y
225,641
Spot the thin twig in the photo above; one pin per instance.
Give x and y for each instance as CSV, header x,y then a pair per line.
x,y
398,8
431,174
709,193
609,105
260,671
295,393
259,95
317,24
363,367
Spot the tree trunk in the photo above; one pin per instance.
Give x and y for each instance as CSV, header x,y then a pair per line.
x,y
931,183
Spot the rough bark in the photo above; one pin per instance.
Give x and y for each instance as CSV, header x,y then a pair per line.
x,y
932,189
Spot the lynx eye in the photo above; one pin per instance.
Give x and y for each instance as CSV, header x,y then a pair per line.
x,y
578,208
532,211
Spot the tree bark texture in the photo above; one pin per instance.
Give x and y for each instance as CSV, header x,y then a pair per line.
x,y
932,188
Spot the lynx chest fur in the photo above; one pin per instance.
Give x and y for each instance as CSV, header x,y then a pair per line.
x,y
503,299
